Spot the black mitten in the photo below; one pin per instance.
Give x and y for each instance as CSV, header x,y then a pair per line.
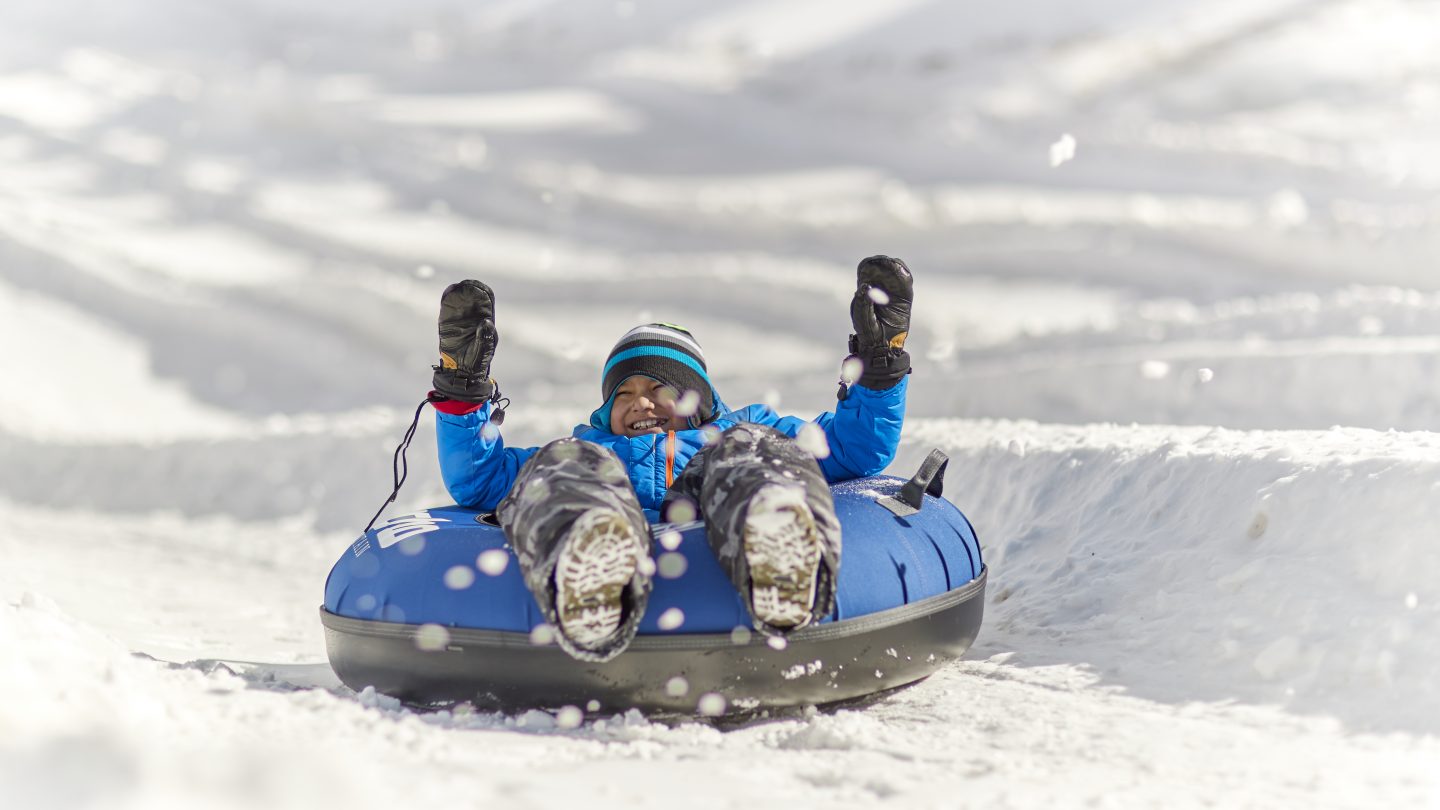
x,y
467,343
880,313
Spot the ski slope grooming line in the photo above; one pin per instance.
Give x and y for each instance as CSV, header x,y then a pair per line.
x,y
1200,564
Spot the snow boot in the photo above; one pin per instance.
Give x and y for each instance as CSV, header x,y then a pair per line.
x,y
583,545
598,558
770,519
782,550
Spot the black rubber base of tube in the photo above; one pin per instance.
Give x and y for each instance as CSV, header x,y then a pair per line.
x,y
504,671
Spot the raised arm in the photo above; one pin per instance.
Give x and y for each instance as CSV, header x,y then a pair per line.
x,y
477,467
864,430
862,433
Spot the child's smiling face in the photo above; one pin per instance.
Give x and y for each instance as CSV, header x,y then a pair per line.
x,y
643,406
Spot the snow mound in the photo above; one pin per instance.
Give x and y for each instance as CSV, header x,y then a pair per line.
x,y
1199,564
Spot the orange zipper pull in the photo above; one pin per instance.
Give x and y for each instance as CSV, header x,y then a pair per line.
x,y
670,460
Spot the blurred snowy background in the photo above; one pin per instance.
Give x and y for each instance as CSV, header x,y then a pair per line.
x,y
1177,324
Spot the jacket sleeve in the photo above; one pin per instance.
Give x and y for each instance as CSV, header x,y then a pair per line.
x,y
477,466
863,431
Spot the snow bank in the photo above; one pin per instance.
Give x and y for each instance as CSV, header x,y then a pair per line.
x,y
1198,564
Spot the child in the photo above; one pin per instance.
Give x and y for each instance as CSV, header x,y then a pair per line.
x,y
663,440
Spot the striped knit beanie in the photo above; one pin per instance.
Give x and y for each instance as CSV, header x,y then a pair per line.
x,y
662,352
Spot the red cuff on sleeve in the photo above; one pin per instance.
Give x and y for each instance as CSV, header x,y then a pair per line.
x,y
455,407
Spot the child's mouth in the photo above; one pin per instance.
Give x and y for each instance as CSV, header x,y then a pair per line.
x,y
646,424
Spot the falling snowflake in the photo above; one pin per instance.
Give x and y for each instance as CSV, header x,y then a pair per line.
x,y
459,577
812,440
493,562
688,404
712,704
673,565
537,489
1154,369
432,637
1287,208
680,511
677,686
1063,150
569,717
671,619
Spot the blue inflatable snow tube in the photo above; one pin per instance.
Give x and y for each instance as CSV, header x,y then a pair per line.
x,y
451,568
425,568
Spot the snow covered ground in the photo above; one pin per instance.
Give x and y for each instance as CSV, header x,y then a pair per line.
x,y
1185,361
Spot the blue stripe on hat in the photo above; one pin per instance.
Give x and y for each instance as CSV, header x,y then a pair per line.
x,y
655,351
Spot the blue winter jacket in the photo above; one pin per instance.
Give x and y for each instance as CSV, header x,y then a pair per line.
x,y
863,433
